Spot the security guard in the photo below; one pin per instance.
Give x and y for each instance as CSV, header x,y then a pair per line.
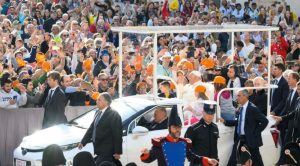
x,y
205,133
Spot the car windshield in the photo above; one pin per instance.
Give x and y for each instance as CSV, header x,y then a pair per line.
x,y
125,109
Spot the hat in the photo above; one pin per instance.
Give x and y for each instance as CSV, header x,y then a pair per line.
x,y
208,63
219,80
83,159
292,154
87,64
174,119
53,155
244,154
189,65
95,95
131,50
20,62
46,66
177,58
105,53
167,55
209,106
40,58
149,69
200,89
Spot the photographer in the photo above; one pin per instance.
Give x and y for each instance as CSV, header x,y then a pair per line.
x,y
258,65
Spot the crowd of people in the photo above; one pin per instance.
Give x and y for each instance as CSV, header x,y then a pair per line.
x,y
64,52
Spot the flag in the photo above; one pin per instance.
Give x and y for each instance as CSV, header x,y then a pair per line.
x,y
164,11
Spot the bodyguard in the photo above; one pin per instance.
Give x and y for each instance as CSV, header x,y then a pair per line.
x,y
105,132
205,133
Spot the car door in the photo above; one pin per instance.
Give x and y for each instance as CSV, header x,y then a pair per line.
x,y
135,142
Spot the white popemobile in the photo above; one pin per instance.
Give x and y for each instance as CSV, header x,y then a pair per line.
x,y
131,109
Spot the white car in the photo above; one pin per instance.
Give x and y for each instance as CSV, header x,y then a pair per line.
x,y
135,138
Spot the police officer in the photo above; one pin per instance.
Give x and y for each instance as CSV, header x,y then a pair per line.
x,y
205,133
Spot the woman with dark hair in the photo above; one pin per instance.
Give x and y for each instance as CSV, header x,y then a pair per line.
x,y
187,9
289,18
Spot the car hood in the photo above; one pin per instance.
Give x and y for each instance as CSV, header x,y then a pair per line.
x,y
62,134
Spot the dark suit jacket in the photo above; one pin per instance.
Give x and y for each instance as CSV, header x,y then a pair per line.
x,y
279,97
255,123
55,109
108,134
289,107
294,123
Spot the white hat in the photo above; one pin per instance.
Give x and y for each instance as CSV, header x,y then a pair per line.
x,y
167,55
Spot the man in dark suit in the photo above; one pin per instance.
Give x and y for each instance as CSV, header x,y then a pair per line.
x,y
105,131
249,125
55,103
280,94
290,105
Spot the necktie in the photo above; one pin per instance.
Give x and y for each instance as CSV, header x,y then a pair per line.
x,y
97,119
49,96
291,96
240,121
272,90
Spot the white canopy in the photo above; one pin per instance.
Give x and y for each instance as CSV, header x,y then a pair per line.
x,y
194,29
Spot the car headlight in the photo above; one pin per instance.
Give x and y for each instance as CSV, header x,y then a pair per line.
x,y
69,147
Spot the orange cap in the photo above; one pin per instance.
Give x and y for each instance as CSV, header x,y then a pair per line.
x,y
40,58
200,89
176,58
219,80
189,65
87,64
46,66
15,84
20,62
149,69
208,63
138,66
95,95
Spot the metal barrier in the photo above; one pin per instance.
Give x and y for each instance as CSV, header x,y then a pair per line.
x,y
18,123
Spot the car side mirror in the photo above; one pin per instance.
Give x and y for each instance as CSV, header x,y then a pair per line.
x,y
140,131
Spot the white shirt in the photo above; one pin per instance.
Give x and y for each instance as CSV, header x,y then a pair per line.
x,y
243,118
248,49
278,79
53,90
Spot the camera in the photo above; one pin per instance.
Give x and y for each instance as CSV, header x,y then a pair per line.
x,y
258,60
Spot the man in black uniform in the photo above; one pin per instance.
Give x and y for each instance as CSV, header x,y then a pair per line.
x,y
205,133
